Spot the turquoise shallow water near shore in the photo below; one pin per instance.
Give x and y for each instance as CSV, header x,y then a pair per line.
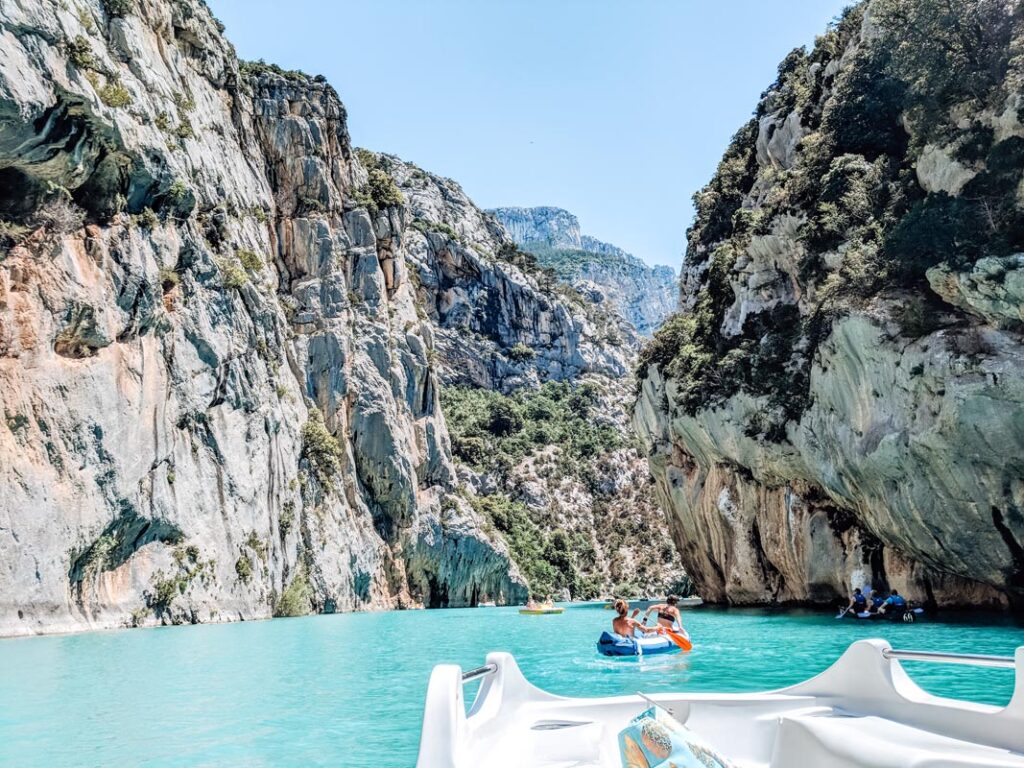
x,y
348,689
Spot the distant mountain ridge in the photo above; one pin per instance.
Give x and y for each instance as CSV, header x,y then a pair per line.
x,y
644,295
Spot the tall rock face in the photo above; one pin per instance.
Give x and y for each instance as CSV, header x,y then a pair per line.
x,y
551,226
487,300
840,401
217,375
643,295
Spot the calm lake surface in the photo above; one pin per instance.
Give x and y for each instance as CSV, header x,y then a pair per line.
x,y
348,689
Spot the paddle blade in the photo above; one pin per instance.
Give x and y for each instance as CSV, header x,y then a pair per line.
x,y
679,640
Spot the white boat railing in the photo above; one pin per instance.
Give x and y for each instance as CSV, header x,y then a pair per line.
x,y
476,674
974,659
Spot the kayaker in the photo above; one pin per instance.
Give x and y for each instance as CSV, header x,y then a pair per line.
x,y
626,625
668,613
858,603
894,603
877,601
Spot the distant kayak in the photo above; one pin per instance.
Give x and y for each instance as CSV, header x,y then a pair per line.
x,y
540,611
612,644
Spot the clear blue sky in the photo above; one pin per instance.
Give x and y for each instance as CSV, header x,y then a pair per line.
x,y
615,110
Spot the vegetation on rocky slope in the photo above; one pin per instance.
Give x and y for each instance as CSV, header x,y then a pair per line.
x,y
603,273
570,263
548,454
493,432
933,75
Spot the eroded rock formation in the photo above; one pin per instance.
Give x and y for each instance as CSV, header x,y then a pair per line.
x,y
600,271
841,401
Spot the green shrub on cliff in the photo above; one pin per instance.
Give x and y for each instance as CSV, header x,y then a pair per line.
x,y
115,95
366,158
297,597
243,568
947,52
232,274
79,52
721,198
249,259
321,449
424,226
261,67
383,190
117,8
504,418
520,353
490,430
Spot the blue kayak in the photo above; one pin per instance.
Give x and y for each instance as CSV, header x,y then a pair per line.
x,y
612,644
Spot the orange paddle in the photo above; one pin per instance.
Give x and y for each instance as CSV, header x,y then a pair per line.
x,y
679,640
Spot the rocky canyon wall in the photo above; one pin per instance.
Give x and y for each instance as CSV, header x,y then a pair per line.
x,y
223,334
840,402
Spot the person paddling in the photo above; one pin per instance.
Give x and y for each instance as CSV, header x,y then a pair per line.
x,y
626,625
876,602
894,604
668,613
858,603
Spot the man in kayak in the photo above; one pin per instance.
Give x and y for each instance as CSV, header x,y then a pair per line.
x,y
894,603
858,603
877,601
668,613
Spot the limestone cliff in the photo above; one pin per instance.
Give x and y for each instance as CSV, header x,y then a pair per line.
x,y
543,224
600,271
219,397
489,301
224,333
840,401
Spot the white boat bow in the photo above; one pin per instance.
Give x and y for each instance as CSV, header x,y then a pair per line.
x,y
864,710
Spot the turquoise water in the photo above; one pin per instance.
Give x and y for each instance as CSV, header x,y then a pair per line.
x,y
348,689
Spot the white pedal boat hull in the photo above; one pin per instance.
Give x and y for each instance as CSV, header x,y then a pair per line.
x,y
862,712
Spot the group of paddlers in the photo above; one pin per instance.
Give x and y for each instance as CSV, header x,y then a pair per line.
x,y
873,602
625,624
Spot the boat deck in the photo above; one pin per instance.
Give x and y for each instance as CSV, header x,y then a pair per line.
x,y
752,733
862,712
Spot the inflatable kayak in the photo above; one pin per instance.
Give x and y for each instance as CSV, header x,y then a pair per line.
x,y
612,644
540,611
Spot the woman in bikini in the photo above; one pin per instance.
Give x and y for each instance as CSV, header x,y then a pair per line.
x,y
668,613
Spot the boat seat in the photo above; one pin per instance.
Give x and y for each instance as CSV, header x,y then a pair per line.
x,y
582,745
854,741
720,722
